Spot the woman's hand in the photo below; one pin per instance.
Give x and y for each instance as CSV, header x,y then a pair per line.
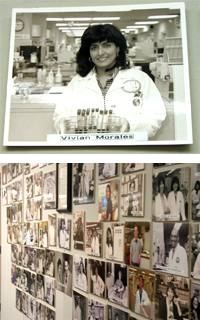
x,y
125,126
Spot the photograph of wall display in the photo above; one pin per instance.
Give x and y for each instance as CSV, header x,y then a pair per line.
x,y
93,241
142,292
109,201
32,259
172,297
195,191
40,311
64,186
43,234
195,251
171,195
49,291
116,283
114,241
79,230
49,190
80,277
117,314
37,178
37,208
27,168
29,187
96,274
96,310
195,304
79,306
29,209
64,263
108,170
130,167
64,233
18,299
83,183
171,248
67,116
49,314
138,244
50,263
32,284
52,229
40,261
132,195
4,174
19,190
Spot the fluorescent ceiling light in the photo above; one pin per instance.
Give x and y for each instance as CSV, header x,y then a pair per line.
x,y
146,22
72,24
106,18
72,28
97,23
135,27
54,19
77,19
61,24
168,16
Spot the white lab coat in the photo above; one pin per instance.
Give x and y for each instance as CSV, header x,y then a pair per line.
x,y
84,92
145,300
177,208
179,261
159,210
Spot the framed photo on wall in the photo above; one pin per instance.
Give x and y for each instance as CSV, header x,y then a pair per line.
x,y
195,192
64,187
64,233
94,238
49,190
79,230
132,167
108,170
109,201
83,183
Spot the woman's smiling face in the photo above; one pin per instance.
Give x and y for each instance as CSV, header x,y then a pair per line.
x,y
103,54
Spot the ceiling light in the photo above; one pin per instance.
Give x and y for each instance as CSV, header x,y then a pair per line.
x,y
61,24
135,27
54,19
168,16
105,18
146,22
77,19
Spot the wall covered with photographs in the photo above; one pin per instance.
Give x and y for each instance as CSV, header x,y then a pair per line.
x,y
100,241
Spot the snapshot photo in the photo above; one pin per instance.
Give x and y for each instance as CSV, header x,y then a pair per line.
x,y
195,251
114,241
171,248
132,195
14,212
49,190
9,234
25,301
142,292
18,299
32,259
13,253
14,233
64,233
52,229
26,234
108,170
32,308
109,201
29,209
25,257
4,174
96,274
154,55
78,230
37,183
96,310
37,208
19,212
43,234
64,268
79,306
138,244
19,168
32,283
13,274
4,196
14,170
19,254
50,314
131,167
14,191
29,187
116,283
40,287
19,190
93,241
20,228
83,183
40,261
195,302
172,297
39,311
49,291
195,192
116,314
80,277
27,168
9,172
50,263
171,195
9,215
33,233
7,192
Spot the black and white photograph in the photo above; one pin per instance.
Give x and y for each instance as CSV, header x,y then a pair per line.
x,y
14,213
114,241
59,271
14,191
40,261
4,174
67,266
9,234
83,183
9,172
94,237
32,308
49,190
79,306
78,230
96,310
195,303
116,283
171,195
195,192
50,314
9,215
171,248
14,170
117,314
40,287
25,301
24,280
43,234
27,168
195,251
19,190
38,208
138,244
108,170
27,234
14,274
4,196
34,234
19,254
14,233
19,277
133,115
50,263
96,275
13,253
64,187
131,167
32,283
25,257
19,168
19,212
142,292
29,209
40,311
52,229
29,187
18,299
132,195
80,276
32,259
20,228
172,297
50,291
64,233
158,165
7,192
108,201
37,183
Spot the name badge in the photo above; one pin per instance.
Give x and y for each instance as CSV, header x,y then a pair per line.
x,y
132,86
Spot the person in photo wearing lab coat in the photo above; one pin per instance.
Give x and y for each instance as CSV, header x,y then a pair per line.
x,y
161,203
95,243
142,298
105,80
176,201
177,255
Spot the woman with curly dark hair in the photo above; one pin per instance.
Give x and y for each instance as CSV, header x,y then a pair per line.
x,y
105,80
